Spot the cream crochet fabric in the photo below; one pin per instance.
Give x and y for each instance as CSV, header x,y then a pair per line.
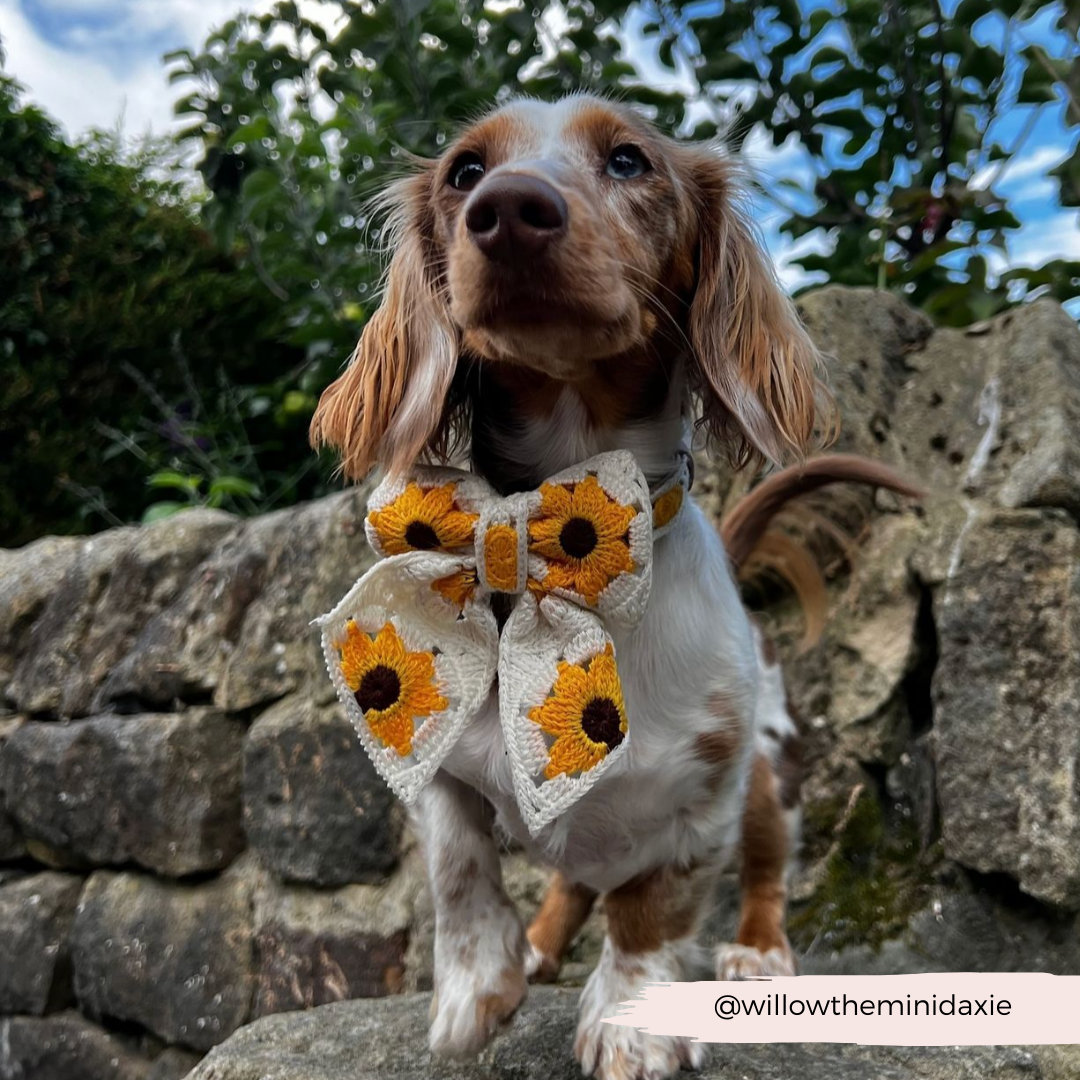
x,y
414,646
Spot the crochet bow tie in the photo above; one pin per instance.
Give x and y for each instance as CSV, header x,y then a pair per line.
x,y
414,648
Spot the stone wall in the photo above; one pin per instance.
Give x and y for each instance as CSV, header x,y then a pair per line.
x,y
192,838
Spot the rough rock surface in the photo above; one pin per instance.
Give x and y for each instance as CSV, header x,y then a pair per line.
x,y
159,790
176,960
99,605
195,606
65,1047
386,1040
36,913
12,845
313,947
28,578
173,1064
1006,694
315,810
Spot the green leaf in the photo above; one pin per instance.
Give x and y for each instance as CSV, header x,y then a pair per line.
x,y
160,510
235,486
168,478
259,128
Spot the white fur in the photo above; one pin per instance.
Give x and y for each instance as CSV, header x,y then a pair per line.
x,y
623,1053
479,940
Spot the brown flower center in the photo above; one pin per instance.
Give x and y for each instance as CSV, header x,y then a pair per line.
x,y
379,689
578,538
600,720
420,536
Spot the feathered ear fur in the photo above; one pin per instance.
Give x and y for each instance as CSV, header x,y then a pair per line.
x,y
754,365
389,404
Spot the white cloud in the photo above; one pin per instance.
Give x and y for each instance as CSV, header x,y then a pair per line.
x,y
1058,237
105,69
1021,167
77,88
784,251
133,20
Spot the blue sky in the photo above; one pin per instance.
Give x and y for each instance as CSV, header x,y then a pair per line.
x,y
98,63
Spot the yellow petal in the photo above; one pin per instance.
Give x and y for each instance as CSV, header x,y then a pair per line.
x,y
555,501
394,727
573,753
551,549
455,529
589,500
546,528
437,502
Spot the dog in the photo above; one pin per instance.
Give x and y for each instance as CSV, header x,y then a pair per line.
x,y
567,282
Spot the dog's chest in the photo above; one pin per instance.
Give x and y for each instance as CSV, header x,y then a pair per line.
x,y
688,672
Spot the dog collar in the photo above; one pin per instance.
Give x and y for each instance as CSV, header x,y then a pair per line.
x,y
414,648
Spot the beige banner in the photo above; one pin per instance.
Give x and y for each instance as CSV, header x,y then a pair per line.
x,y
874,1010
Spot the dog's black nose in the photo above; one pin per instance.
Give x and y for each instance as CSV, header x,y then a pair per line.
x,y
515,215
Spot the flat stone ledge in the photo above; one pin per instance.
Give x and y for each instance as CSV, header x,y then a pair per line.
x,y
386,1039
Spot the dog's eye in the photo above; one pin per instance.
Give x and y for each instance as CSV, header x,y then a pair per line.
x,y
466,172
626,163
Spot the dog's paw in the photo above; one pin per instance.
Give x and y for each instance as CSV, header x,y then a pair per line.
x,y
539,967
745,962
608,1052
479,984
611,1052
463,1023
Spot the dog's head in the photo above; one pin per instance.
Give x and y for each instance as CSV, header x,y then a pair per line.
x,y
562,240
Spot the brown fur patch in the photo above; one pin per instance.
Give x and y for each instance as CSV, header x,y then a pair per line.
x,y
630,386
725,707
718,749
789,771
493,1010
601,127
565,908
768,648
660,906
764,858
375,411
496,140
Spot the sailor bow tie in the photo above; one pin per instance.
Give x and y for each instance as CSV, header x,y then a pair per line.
x,y
414,648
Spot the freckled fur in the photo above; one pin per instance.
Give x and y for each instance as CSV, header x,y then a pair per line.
x,y
659,312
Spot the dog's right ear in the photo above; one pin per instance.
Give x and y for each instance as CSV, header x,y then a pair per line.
x,y
753,362
388,405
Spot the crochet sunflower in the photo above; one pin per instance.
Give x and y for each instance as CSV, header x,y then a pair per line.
x,y
585,714
582,532
392,686
419,520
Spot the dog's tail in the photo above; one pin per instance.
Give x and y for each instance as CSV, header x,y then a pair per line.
x,y
754,548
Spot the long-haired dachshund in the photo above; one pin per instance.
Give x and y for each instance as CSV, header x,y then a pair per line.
x,y
567,282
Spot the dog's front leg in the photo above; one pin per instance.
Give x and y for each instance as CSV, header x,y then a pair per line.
x,y
479,938
653,924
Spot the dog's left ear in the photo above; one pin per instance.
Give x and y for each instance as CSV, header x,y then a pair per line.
x,y
755,366
389,406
